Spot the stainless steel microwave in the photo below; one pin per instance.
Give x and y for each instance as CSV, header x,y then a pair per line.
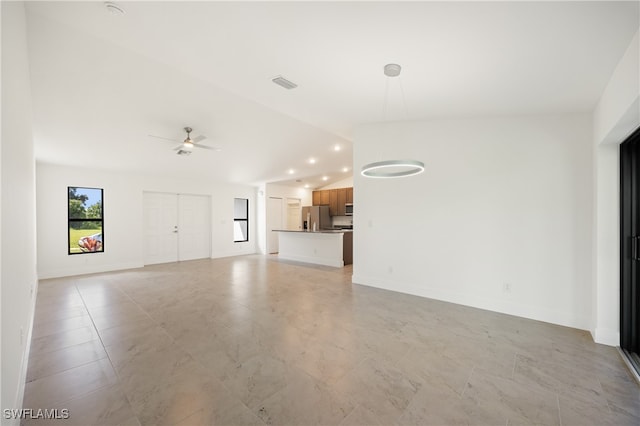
x,y
348,209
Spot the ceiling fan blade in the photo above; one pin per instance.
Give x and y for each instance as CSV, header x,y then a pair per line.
x,y
160,137
178,148
202,146
212,148
199,138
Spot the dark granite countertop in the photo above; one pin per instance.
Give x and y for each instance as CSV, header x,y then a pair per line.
x,y
321,231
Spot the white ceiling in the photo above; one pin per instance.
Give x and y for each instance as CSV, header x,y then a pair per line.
x,y
102,83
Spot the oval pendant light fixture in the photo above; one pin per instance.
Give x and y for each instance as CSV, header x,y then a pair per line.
x,y
392,168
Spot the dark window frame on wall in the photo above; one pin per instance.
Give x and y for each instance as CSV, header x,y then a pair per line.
x,y
84,220
239,218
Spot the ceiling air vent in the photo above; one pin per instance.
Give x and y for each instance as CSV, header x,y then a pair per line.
x,y
281,81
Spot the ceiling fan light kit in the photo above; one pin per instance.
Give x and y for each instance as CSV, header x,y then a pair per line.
x,y
392,168
188,143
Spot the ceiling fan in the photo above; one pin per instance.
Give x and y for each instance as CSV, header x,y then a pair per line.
x,y
188,144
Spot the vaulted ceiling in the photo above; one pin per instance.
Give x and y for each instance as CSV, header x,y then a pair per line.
x,y
101,83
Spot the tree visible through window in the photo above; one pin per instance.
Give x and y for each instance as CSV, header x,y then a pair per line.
x,y
240,220
85,217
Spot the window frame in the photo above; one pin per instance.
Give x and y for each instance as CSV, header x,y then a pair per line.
x,y
235,219
71,220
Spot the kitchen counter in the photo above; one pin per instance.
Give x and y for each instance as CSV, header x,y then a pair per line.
x,y
329,247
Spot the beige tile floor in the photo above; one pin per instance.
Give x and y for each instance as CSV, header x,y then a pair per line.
x,y
251,340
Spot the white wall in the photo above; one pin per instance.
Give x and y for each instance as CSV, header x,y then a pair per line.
x,y
123,213
19,280
618,109
284,192
502,201
616,116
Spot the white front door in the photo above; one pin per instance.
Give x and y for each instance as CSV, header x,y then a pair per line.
x,y
160,228
194,240
176,227
274,221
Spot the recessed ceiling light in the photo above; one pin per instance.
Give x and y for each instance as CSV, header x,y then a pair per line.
x,y
291,171
345,169
312,161
307,185
114,9
336,148
325,177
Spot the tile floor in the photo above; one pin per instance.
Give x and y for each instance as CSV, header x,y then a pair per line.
x,y
251,340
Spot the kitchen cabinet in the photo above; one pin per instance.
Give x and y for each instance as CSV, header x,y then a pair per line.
x,y
342,200
320,198
324,198
315,198
333,202
334,198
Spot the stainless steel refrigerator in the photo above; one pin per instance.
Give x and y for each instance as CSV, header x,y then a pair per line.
x,y
318,215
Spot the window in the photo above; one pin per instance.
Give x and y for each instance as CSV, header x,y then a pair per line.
x,y
85,219
240,220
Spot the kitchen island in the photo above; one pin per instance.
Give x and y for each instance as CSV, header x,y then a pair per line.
x,y
331,247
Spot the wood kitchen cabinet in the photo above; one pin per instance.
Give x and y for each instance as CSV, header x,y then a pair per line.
x,y
342,200
320,198
324,198
334,198
333,202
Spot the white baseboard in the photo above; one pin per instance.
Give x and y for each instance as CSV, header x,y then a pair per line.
x,y
96,269
87,269
494,305
222,254
606,336
24,363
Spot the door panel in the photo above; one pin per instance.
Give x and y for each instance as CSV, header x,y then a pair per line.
x,y
176,227
160,228
194,233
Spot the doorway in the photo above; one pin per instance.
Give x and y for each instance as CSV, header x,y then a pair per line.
x,y
176,227
630,248
294,214
274,221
